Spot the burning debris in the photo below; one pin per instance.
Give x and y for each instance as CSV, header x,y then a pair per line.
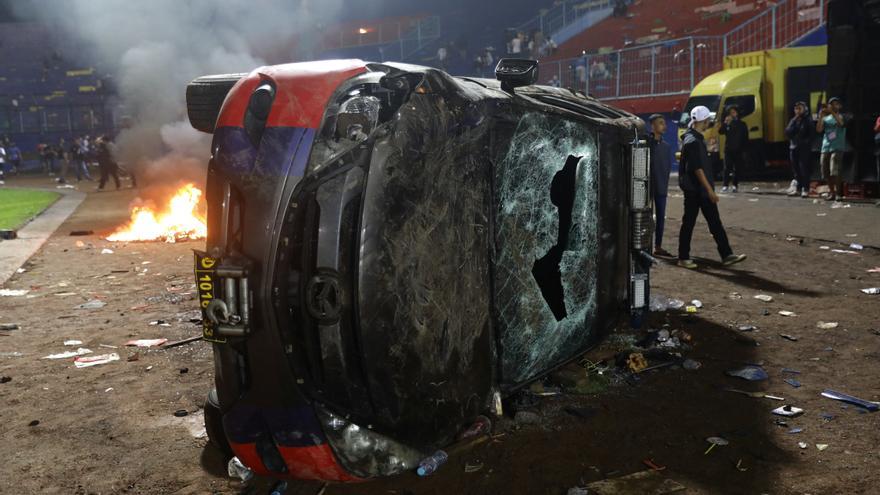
x,y
180,221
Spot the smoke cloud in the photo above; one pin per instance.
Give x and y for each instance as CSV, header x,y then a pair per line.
x,y
154,48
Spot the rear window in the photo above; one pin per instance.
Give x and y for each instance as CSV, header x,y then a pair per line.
x,y
712,102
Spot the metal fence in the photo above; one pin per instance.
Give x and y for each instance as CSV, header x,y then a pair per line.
x,y
676,66
406,32
563,14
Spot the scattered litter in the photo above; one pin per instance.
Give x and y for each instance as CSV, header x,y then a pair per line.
x,y
872,291
831,394
857,247
852,235
430,464
802,445
756,188
146,342
787,313
788,337
481,426
68,354
34,422
149,368
789,370
795,431
827,416
526,418
691,309
65,294
788,411
181,342
184,371
734,295
472,468
86,361
713,441
635,362
876,269
838,204
109,390
8,326
73,342
691,364
844,251
821,214
133,357
697,303
20,270
794,382
764,297
825,248
181,413
827,325
82,232
13,292
746,328
93,304
161,323
750,373
5,379
237,469
108,346
821,446
663,303
106,251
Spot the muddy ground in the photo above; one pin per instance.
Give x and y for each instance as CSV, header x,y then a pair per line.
x,y
111,428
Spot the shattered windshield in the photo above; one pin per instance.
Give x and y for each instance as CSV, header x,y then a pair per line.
x,y
546,238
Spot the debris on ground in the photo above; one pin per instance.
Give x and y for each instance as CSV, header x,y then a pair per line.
x,y
145,342
746,328
106,251
636,362
787,313
86,361
764,297
691,364
788,411
481,426
648,481
34,422
844,251
751,373
92,304
431,463
237,469
872,290
81,232
662,303
473,468
161,323
795,431
13,292
68,354
697,303
849,399
713,442
788,337
876,269
826,325
5,379
802,445
180,413
653,465
73,342
793,382
181,342
821,446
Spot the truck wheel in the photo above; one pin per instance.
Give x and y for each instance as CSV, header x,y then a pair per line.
x,y
204,97
214,424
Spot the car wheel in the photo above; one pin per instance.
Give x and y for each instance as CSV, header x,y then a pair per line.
x,y
204,97
214,424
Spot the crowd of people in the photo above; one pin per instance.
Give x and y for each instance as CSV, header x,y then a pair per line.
x,y
66,159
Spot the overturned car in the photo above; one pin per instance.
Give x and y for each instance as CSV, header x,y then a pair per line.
x,y
392,250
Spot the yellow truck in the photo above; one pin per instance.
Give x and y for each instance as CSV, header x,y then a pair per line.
x,y
764,85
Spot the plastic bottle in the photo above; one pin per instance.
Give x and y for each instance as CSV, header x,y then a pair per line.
x,y
237,469
279,489
430,464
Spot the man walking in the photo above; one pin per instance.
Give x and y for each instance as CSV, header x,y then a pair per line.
x,y
105,162
661,165
695,180
734,148
831,126
800,133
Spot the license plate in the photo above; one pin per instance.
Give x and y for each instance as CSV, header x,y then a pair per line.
x,y
205,282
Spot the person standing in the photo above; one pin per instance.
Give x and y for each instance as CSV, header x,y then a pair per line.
x,y
661,166
14,157
695,180
734,148
800,134
105,162
831,126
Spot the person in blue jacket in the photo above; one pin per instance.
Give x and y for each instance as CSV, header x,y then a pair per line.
x,y
661,166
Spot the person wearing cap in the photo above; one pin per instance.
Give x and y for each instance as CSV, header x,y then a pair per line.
x,y
831,126
734,147
800,135
695,180
661,166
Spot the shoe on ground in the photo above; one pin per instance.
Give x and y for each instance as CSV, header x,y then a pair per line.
x,y
734,189
734,259
689,264
724,189
804,194
659,251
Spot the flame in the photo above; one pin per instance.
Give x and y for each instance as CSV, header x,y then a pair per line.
x,y
180,221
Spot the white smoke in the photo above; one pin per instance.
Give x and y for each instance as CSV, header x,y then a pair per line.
x,y
154,48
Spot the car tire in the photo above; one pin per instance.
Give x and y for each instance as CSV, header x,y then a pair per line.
x,y
205,96
214,424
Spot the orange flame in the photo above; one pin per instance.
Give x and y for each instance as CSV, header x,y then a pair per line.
x,y
180,221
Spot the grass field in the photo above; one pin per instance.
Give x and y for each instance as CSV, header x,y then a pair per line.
x,y
17,206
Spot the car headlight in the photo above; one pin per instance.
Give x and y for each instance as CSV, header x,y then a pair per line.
x,y
363,452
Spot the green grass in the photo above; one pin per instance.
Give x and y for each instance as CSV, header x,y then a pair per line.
x,y
17,206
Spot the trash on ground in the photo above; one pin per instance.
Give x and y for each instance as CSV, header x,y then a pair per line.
x,y
133,357
13,292
872,290
832,394
802,445
146,342
827,325
713,441
746,328
691,309
691,364
472,468
789,370
481,426
5,379
576,490
73,342
764,297
636,362
68,354
844,251
876,269
734,296
795,431
825,248
108,346
821,446
184,371
857,247
161,323
663,303
750,373
827,416
81,232
106,251
787,313
86,361
34,422
430,464
793,382
93,304
788,411
8,326
697,303
180,413
237,469
756,395
788,337
181,342
838,204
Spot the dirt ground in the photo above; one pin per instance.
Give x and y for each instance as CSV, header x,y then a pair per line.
x,y
111,429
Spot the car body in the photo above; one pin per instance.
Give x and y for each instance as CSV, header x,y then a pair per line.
x,y
391,250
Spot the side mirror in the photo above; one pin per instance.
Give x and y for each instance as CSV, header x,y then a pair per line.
x,y
516,72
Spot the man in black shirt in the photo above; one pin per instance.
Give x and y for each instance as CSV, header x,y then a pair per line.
x,y
661,165
695,180
735,146
800,130
106,162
